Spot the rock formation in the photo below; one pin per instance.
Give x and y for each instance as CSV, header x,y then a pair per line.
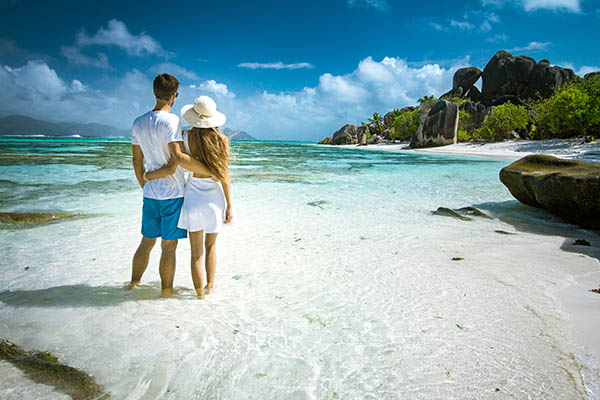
x,y
520,77
567,188
545,79
465,78
439,128
326,140
505,79
348,134
375,139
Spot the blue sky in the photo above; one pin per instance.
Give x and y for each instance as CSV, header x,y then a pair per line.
x,y
278,70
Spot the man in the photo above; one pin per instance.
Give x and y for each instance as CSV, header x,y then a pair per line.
x,y
155,138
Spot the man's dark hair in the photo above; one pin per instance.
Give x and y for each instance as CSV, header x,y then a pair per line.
x,y
165,86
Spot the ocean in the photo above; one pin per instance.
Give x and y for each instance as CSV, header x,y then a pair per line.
x,y
335,281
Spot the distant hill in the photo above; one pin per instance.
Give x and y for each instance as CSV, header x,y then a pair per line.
x,y
21,125
237,135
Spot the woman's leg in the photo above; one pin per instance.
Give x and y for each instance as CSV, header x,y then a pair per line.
x,y
211,260
197,247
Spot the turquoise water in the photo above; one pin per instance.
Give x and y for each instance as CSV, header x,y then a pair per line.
x,y
335,280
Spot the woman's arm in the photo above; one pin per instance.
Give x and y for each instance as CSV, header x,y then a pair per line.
x,y
186,161
227,191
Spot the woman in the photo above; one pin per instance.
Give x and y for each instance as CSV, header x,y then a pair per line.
x,y
207,202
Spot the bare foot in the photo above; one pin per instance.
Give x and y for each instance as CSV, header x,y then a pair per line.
x,y
200,293
166,293
131,285
209,287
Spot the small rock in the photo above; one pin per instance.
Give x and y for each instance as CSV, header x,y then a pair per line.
x,y
236,331
177,326
317,203
474,212
504,232
595,290
497,389
26,268
457,258
581,242
450,213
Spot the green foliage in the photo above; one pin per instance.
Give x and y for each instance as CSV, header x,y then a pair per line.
x,y
466,124
405,125
456,100
572,111
376,120
425,105
503,120
462,135
395,114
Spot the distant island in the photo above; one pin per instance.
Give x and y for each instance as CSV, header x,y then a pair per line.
x,y
237,135
22,125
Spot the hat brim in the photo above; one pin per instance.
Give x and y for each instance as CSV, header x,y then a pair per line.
x,y
191,117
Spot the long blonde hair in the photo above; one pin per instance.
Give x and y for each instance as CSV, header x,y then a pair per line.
x,y
211,147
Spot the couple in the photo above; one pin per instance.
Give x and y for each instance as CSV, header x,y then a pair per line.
x,y
172,207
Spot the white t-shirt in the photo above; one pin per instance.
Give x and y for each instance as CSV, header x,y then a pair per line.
x,y
153,132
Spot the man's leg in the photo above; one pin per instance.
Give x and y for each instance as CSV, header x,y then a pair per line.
x,y
167,266
140,261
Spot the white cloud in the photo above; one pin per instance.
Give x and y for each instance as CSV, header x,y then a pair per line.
x,y
586,69
76,57
464,25
532,5
379,5
215,87
308,114
498,38
436,26
566,5
117,34
485,26
276,65
315,112
36,80
581,71
472,20
77,86
174,69
532,46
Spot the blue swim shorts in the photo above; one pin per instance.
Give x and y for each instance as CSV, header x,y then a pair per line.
x,y
160,217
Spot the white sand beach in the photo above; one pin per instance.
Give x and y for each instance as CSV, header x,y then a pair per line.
x,y
563,148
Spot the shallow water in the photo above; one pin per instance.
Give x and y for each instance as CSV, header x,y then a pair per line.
x,y
335,281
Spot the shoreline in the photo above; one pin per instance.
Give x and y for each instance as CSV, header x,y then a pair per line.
x,y
563,148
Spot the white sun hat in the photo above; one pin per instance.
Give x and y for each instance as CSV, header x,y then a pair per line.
x,y
203,113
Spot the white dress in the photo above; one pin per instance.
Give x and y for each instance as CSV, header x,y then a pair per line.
x,y
203,203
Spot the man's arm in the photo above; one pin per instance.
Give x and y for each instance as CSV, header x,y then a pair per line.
x,y
186,161
165,170
138,164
